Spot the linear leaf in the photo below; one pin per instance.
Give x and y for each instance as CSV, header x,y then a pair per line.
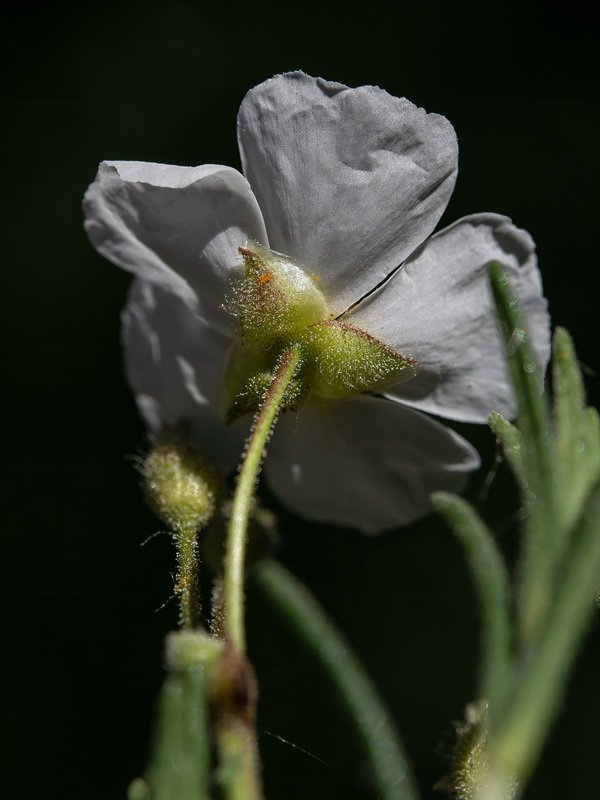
x,y
576,431
180,761
492,585
533,413
538,695
541,545
381,744
511,439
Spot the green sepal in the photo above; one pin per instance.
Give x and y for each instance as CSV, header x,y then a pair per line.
x,y
248,377
249,396
346,360
275,300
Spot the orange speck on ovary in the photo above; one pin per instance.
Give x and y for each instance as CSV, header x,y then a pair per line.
x,y
264,279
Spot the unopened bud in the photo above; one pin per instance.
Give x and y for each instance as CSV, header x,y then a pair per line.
x,y
181,484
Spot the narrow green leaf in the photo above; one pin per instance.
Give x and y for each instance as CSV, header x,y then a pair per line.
x,y
180,760
492,586
380,741
569,395
541,542
538,695
138,790
533,413
591,436
511,439
576,431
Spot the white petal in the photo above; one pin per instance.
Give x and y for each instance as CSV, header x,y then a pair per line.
x,y
350,181
179,227
364,462
174,362
438,309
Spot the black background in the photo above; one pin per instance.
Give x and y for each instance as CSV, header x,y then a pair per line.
x,y
81,635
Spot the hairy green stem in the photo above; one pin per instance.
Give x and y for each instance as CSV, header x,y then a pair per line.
x,y
239,774
187,578
242,501
380,742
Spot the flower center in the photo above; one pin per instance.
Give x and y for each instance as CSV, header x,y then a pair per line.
x,y
279,306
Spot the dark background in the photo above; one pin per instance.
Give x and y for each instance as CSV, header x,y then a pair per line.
x,y
81,635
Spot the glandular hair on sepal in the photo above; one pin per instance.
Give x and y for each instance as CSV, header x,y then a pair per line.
x,y
275,299
251,395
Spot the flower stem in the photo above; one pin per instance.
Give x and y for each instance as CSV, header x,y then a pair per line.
x,y
187,578
244,493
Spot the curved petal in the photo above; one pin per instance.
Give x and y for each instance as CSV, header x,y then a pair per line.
x,y
438,309
364,462
350,181
174,361
179,227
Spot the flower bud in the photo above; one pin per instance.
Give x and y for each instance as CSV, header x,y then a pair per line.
x,y
181,484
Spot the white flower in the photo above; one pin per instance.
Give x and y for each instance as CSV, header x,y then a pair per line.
x,y
349,183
